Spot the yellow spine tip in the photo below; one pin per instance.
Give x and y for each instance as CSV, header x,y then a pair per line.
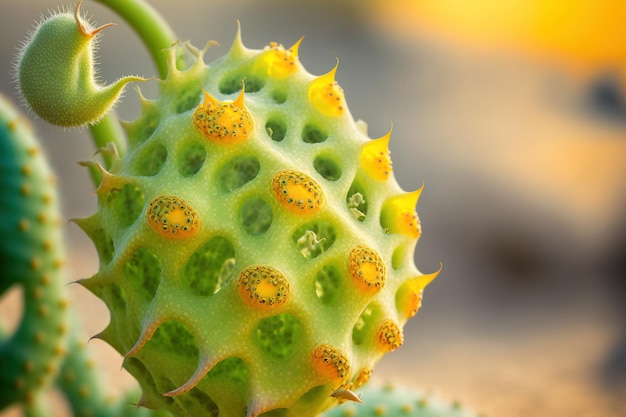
x,y
398,214
223,121
376,159
278,61
326,95
172,217
295,47
263,287
409,295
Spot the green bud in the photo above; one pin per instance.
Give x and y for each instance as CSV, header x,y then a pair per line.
x,y
56,73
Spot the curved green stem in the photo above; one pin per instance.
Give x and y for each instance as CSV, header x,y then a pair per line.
x,y
157,35
107,130
153,30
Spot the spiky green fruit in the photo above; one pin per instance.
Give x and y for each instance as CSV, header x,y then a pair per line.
x,y
256,252
31,257
390,401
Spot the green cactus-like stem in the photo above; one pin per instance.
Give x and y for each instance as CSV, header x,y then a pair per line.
x,y
32,256
390,401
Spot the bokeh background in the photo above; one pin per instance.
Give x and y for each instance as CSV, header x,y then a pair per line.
x,y
512,113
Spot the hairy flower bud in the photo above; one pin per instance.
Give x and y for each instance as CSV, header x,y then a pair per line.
x,y
56,72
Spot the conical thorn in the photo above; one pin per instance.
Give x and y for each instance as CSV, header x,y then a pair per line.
x,y
146,334
346,394
203,368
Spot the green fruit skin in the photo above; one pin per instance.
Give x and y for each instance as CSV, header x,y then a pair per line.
x,y
195,342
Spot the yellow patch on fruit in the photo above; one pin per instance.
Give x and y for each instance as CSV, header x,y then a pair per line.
x,y
225,122
172,217
363,377
409,295
367,269
398,215
389,336
263,287
376,159
326,95
331,364
298,192
280,62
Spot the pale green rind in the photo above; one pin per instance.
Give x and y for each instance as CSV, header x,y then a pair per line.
x,y
212,353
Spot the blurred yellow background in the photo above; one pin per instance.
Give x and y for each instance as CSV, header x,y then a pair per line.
x,y
513,114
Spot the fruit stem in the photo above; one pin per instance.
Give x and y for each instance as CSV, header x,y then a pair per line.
x,y
157,36
153,30
107,130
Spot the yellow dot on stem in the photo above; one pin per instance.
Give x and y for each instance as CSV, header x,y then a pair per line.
x,y
224,122
23,225
263,287
18,383
379,410
367,269
326,95
375,158
172,217
35,264
331,364
298,192
29,366
83,391
398,215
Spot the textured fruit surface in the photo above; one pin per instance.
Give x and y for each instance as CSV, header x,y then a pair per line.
x,y
253,262
392,401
